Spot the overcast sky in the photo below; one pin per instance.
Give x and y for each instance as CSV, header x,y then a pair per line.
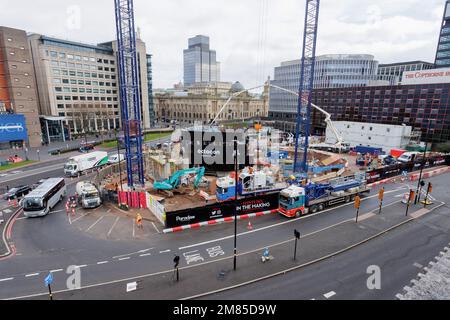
x,y
392,30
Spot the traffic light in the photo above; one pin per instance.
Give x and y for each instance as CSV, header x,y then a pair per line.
x,y
411,195
176,261
381,194
357,202
422,183
296,234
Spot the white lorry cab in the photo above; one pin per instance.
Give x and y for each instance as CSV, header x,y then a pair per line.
x,y
77,165
116,158
88,195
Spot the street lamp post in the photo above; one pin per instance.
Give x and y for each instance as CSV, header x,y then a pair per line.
x,y
424,161
120,163
236,179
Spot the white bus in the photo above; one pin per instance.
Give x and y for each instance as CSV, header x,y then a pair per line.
x,y
41,200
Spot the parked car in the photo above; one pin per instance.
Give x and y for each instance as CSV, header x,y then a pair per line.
x,y
86,148
17,192
15,159
408,156
388,160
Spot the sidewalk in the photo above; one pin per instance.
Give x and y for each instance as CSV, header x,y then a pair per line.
x,y
42,153
215,275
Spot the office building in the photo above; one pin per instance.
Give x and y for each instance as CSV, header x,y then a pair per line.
x,y
18,89
443,50
200,64
151,107
202,103
397,69
78,85
423,97
331,71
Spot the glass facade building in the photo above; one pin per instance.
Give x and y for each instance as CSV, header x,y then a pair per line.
x,y
397,69
443,50
331,71
200,64
151,106
412,105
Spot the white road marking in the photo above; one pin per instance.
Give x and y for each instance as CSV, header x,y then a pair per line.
x,y
102,262
329,294
130,254
132,221
109,210
56,270
6,279
418,265
126,258
93,225
112,227
145,255
82,216
57,211
23,218
154,226
31,275
283,223
165,251
81,266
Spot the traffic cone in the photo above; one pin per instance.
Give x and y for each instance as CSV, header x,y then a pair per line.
x,y
73,212
249,226
67,208
15,203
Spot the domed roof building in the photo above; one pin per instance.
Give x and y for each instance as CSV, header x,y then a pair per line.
x,y
237,87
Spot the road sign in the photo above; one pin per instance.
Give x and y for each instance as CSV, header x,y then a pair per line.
x,y
49,279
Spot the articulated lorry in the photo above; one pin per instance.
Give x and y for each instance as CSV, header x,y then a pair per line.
x,y
88,195
297,200
79,164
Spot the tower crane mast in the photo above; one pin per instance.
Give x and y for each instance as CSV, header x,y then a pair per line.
x,y
306,82
129,91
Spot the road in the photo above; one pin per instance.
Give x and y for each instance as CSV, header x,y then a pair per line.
x,y
53,243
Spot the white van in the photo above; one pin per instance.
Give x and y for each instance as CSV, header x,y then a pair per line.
x,y
407,157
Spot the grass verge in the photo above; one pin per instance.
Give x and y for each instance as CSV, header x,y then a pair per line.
x,y
16,165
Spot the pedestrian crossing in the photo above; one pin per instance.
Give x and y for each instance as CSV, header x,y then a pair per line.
x,y
10,173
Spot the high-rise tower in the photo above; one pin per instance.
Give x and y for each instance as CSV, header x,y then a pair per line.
x,y
443,50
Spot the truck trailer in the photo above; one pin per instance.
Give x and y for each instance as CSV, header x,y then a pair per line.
x,y
75,166
298,200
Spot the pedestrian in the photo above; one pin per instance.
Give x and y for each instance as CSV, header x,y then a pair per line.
x,y
139,221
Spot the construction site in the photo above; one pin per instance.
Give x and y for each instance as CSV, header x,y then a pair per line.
x,y
202,174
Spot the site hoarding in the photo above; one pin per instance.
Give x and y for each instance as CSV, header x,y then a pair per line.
x,y
260,203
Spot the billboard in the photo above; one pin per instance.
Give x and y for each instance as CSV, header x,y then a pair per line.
x,y
13,128
426,76
265,202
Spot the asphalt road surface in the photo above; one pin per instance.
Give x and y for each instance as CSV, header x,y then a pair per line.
x,y
53,243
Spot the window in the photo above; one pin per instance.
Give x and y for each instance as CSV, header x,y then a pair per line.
x,y
60,106
70,56
53,54
58,89
65,81
62,55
